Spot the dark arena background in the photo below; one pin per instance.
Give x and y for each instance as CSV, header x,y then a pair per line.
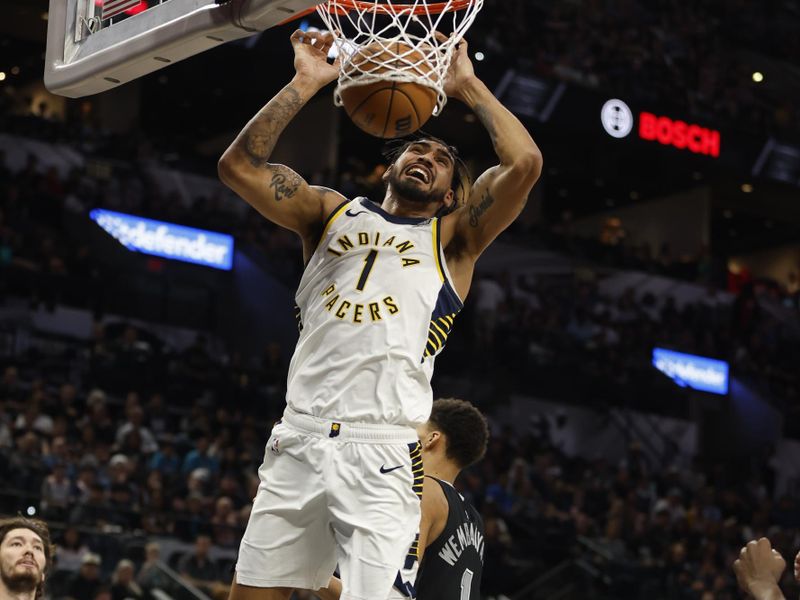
x,y
634,337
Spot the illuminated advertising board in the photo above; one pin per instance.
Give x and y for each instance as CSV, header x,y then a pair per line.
x,y
696,372
680,134
618,120
167,240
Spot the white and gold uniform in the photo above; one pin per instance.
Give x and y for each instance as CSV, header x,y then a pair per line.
x,y
376,306
342,473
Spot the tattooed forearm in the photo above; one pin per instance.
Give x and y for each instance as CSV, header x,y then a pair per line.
x,y
261,135
284,183
476,210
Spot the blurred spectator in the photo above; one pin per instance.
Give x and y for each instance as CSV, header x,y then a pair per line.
x,y
166,460
198,568
93,509
87,582
70,550
489,298
151,576
32,419
124,586
192,516
198,458
10,387
225,524
56,493
25,466
122,509
135,424
158,418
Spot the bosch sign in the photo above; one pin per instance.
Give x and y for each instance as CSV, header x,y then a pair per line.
x,y
617,120
680,134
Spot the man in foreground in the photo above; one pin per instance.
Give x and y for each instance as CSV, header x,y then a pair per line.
x,y
25,556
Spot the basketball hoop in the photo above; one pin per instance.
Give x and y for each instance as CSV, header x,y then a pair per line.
x,y
419,57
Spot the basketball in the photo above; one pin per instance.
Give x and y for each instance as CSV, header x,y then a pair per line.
x,y
388,109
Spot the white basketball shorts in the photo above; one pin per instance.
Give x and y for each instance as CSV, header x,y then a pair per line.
x,y
332,492
403,588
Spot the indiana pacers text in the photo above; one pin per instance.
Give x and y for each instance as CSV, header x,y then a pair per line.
x,y
347,307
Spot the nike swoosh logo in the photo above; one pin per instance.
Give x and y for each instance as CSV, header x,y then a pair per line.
x,y
349,213
385,470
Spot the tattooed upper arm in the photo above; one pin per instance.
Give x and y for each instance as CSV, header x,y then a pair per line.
x,y
274,190
477,209
285,198
284,182
488,211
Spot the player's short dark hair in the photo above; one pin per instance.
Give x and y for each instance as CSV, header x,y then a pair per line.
x,y
38,527
461,183
465,428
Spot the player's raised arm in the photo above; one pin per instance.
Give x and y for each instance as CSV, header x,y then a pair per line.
x,y
275,190
501,192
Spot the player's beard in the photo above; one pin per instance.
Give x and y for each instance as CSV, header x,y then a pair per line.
x,y
19,583
413,193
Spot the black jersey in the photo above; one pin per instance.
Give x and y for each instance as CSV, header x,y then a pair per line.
x,y
452,564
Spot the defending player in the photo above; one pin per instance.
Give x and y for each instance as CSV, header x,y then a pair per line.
x,y
382,285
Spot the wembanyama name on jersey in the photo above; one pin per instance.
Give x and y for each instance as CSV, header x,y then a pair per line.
x,y
375,307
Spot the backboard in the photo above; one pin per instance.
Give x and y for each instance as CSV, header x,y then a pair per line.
x,y
92,48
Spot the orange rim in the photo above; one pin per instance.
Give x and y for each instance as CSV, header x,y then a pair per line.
x,y
342,7
423,8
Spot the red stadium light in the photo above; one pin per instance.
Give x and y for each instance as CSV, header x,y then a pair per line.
x,y
131,7
141,7
681,135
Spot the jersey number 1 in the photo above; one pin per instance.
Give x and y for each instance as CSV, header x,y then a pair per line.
x,y
466,584
369,262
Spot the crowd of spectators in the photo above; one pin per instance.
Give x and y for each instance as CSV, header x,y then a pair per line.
x,y
698,55
655,532
153,466
547,333
44,261
176,462
612,248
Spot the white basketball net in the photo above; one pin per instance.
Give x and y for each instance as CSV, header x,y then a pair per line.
x,y
380,24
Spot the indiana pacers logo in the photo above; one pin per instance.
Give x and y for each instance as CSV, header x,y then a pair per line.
x,y
617,118
335,428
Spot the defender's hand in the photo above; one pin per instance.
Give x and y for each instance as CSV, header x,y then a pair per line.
x,y
461,72
311,56
759,568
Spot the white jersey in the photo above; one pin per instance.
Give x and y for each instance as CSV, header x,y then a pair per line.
x,y
375,308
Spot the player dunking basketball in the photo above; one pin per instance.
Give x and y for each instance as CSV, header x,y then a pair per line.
x,y
342,472
446,561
